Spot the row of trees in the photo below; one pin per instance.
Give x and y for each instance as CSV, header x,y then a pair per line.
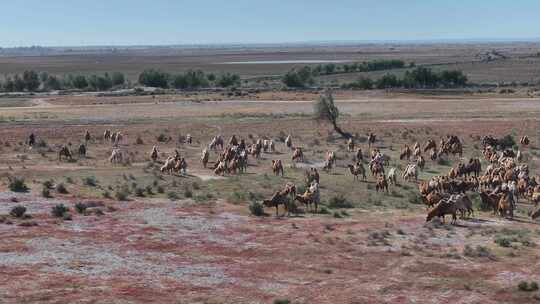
x,y
192,79
304,76
366,66
420,77
31,81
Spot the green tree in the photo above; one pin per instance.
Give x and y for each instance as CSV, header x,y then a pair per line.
x,y
118,79
52,83
325,110
31,80
18,83
154,78
79,82
228,80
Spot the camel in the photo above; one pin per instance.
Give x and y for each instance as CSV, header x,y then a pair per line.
x,y
329,161
312,176
432,198
376,168
204,157
117,156
32,139
356,170
181,166
463,204
308,199
154,154
443,208
524,140
169,165
406,152
421,162
233,141
490,200
359,156
107,134
255,150
382,183
506,205
288,141
411,171
82,150
277,167
371,139
280,198
350,144
298,155
216,141
221,168
64,151
392,176
430,145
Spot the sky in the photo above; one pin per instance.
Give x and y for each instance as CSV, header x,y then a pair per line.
x,y
159,22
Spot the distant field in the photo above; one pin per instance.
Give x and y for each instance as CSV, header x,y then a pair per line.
x,y
521,64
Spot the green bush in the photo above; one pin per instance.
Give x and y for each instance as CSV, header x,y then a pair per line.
x,y
173,196
256,209
503,242
90,181
59,210
18,211
121,194
80,207
45,192
339,202
61,188
17,184
526,286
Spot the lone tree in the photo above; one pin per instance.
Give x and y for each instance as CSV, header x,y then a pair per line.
x,y
326,110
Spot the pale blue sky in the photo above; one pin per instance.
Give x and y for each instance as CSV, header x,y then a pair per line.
x,y
129,22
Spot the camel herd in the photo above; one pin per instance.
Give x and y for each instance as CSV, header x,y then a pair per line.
x,y
504,181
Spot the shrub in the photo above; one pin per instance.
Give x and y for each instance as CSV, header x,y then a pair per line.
x,y
339,201
139,141
172,196
121,194
160,189
337,215
503,242
90,181
60,188
149,190
17,184
80,207
526,286
45,192
282,301
256,209
106,194
59,210
139,192
48,184
162,137
18,211
188,193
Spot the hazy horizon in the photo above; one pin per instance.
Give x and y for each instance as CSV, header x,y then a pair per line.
x,y
211,22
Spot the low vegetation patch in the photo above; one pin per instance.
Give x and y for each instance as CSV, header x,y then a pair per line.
x,y
17,184
256,209
18,211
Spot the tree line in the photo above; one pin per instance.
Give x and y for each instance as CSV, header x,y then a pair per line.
x,y
32,81
304,76
419,78
191,79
